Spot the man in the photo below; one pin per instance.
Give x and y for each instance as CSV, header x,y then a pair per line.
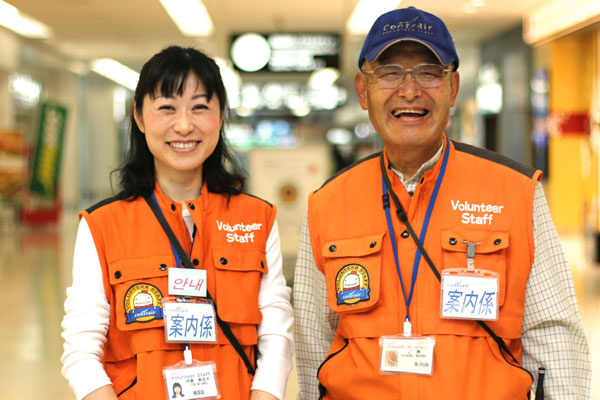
x,y
460,289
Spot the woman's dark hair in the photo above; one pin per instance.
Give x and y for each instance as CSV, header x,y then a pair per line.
x,y
166,73
176,384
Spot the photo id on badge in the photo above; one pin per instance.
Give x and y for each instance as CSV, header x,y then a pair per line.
x,y
469,294
406,354
195,381
189,320
187,282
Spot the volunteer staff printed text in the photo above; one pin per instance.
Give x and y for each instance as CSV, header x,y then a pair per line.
x,y
246,234
476,213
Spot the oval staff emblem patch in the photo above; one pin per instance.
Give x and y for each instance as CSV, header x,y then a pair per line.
x,y
352,284
143,303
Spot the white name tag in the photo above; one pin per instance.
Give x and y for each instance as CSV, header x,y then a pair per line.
x,y
187,282
407,355
190,321
469,295
192,382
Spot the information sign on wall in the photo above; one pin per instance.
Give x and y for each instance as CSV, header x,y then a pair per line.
x,y
285,52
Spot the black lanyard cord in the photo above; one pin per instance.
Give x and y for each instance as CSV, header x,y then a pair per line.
x,y
402,216
185,259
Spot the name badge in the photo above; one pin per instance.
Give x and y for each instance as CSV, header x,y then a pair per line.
x,y
195,381
406,355
190,321
187,282
469,294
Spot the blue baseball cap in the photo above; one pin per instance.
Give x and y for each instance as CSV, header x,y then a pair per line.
x,y
409,24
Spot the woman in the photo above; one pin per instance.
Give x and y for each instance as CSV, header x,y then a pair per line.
x,y
114,328
177,391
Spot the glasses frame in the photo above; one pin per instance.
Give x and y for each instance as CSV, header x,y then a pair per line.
x,y
379,81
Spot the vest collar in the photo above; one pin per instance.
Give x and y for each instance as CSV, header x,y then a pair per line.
x,y
426,182
173,207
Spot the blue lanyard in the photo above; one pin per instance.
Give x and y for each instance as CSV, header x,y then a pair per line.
x,y
177,258
423,229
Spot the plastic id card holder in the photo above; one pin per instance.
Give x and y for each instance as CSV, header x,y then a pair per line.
x,y
469,294
197,380
406,354
189,320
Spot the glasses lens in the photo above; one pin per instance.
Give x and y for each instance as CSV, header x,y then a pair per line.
x,y
389,76
428,75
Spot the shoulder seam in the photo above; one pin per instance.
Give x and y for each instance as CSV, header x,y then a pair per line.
x,y
102,203
496,158
261,199
340,172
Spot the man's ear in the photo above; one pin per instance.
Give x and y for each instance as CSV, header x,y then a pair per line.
x,y
454,85
360,85
138,118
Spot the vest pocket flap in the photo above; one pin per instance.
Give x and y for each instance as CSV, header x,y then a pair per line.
x,y
139,285
486,241
353,247
236,259
132,268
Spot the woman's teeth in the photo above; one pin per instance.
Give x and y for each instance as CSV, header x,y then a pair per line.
x,y
183,145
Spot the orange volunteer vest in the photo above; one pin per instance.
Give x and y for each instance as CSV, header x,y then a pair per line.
x,y
135,255
484,198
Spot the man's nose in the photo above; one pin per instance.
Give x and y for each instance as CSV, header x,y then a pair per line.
x,y
408,88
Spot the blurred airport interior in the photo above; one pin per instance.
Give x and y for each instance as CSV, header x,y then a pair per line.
x,y
529,89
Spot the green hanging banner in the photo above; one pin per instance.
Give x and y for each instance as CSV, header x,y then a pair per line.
x,y
48,150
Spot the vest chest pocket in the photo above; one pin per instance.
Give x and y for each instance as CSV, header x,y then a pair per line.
x,y
490,252
139,286
353,272
239,273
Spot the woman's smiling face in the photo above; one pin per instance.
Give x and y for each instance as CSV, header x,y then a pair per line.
x,y
181,130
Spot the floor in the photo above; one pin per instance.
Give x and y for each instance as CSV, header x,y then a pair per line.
x,y
35,270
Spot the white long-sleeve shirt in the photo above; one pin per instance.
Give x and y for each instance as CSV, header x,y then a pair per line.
x,y
87,314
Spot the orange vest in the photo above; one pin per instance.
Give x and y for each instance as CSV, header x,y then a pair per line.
x,y
484,198
135,255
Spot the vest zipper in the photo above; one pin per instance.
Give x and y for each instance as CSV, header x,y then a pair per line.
x,y
128,387
322,389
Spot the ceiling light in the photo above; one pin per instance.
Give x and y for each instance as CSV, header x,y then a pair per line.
x,y
190,16
366,12
116,72
24,25
478,3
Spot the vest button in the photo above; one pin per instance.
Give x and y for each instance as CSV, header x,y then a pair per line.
x,y
191,206
117,274
223,260
162,267
332,248
262,264
405,234
497,241
173,207
195,261
373,244
452,241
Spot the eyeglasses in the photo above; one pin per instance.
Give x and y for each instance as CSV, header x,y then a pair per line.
x,y
425,75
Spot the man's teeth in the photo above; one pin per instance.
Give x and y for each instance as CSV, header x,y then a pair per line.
x,y
399,113
182,145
